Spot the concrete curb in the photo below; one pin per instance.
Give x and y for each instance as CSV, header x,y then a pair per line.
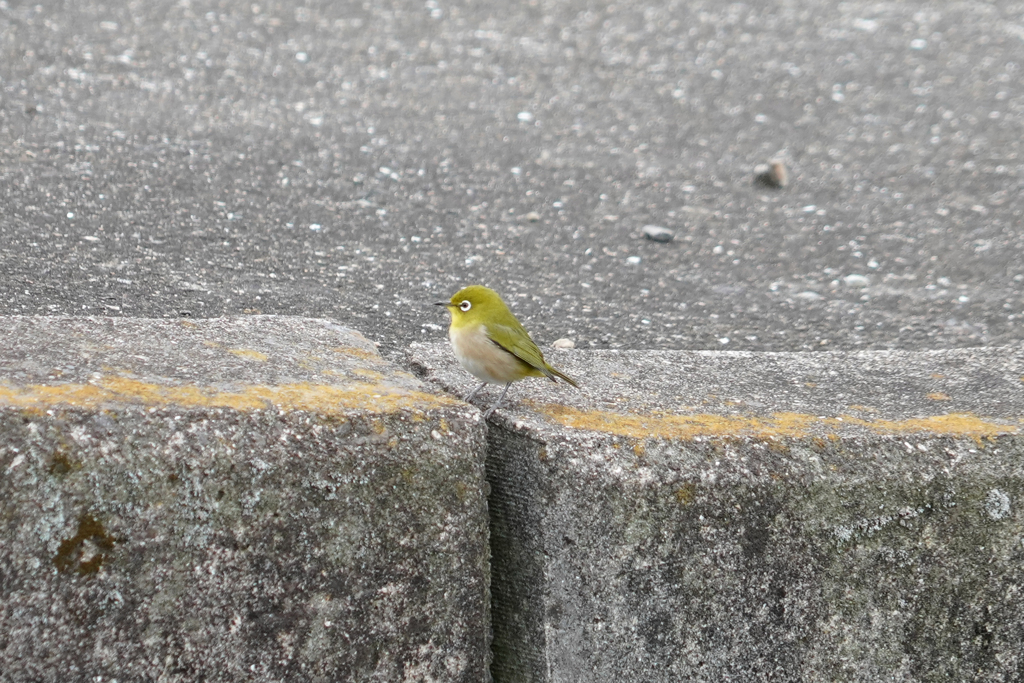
x,y
265,498
256,498
759,517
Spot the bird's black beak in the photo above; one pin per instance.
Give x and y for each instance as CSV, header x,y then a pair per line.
x,y
440,303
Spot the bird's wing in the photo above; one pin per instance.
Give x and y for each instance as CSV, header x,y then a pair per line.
x,y
516,341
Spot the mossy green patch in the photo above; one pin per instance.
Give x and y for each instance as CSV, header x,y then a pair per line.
x,y
86,551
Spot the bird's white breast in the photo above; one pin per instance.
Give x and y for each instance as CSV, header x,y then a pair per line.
x,y
482,358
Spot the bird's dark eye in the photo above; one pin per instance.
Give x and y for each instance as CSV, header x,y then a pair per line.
x,y
465,306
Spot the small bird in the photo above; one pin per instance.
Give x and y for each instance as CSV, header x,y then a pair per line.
x,y
491,344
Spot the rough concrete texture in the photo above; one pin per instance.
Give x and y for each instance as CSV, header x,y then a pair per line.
x,y
259,499
356,159
739,516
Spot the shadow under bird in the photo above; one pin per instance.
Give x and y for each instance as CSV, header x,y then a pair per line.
x,y
491,344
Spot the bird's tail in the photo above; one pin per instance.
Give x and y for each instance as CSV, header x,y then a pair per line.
x,y
553,372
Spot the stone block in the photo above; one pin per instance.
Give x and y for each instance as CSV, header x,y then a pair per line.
x,y
247,499
713,516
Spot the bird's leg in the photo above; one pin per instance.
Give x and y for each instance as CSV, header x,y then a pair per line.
x,y
490,411
473,393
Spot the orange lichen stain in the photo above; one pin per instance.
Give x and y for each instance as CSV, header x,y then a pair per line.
x,y
863,409
318,398
794,425
249,353
241,353
316,364
938,396
937,375
686,492
365,354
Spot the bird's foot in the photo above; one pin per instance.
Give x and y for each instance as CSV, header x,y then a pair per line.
x,y
490,411
473,393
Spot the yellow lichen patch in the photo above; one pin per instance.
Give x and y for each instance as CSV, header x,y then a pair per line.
x,y
794,425
249,353
953,424
372,374
677,426
318,398
938,396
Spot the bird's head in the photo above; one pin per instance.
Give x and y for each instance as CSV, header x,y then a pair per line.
x,y
474,304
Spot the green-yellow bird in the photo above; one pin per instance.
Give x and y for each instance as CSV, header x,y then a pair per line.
x,y
491,344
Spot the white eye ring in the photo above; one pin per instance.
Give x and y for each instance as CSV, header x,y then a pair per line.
x,y
465,306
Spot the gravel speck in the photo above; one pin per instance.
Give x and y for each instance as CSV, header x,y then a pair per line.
x,y
774,174
656,233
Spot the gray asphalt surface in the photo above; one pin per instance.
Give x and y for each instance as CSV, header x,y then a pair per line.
x,y
359,160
